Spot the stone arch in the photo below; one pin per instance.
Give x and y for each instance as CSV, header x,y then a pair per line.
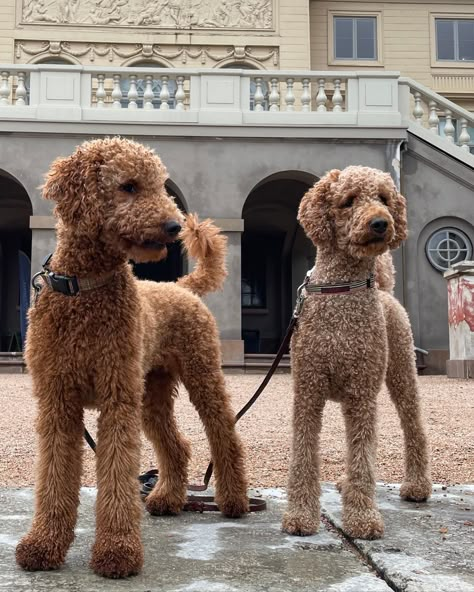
x,y
275,257
247,63
175,265
47,58
15,238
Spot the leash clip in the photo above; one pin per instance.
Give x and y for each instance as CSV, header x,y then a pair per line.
x,y
301,295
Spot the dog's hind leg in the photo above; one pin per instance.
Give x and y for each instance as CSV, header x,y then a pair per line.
x,y
311,390
172,450
204,380
118,550
402,384
361,518
59,428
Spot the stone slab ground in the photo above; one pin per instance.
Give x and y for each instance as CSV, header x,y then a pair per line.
x,y
426,548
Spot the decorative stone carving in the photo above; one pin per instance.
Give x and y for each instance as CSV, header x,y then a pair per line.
x,y
169,14
117,54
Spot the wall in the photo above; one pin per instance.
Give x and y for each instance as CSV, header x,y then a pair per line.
x,y
205,173
273,33
436,187
407,43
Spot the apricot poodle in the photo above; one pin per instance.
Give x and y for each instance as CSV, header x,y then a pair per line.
x,y
350,337
122,346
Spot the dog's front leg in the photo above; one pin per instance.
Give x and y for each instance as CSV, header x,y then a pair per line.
x,y
302,516
118,550
361,518
59,428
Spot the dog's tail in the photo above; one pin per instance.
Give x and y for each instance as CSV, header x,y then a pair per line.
x,y
204,242
385,272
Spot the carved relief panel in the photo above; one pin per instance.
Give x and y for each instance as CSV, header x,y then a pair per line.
x,y
168,14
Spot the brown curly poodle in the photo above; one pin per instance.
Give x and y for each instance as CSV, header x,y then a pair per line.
x,y
345,345
122,347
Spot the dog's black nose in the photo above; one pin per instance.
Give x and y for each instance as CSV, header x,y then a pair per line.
x,y
378,225
172,228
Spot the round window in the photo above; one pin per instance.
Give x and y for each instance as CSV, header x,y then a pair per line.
x,y
446,247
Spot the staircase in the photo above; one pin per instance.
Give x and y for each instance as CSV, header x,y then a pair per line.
x,y
12,363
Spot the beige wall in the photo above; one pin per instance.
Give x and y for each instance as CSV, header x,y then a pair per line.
x,y
285,44
406,41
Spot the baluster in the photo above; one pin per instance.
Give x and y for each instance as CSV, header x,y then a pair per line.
x,y
449,127
100,93
180,94
305,96
148,94
433,119
21,89
290,97
464,137
132,93
4,89
274,97
117,93
259,97
337,97
321,98
418,109
164,94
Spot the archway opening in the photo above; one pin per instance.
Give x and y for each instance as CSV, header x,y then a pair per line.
x,y
174,266
15,257
275,257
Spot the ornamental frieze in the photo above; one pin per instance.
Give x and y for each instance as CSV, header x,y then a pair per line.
x,y
169,14
117,54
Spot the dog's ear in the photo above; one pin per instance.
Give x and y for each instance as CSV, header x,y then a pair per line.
x,y
313,213
68,182
399,215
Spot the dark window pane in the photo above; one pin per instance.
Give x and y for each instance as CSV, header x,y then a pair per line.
x,y
466,40
343,38
366,36
445,40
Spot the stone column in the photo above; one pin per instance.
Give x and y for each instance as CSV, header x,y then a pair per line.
x,y
461,320
226,304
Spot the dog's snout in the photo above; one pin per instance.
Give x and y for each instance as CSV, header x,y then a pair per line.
x,y
378,225
172,228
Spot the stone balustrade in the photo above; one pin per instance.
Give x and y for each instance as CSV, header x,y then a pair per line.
x,y
230,97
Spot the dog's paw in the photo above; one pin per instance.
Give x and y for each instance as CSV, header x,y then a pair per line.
x,y
416,491
164,504
363,524
234,508
117,557
41,553
300,524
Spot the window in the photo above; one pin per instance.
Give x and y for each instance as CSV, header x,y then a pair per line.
x,y
253,282
141,84
446,247
355,38
454,40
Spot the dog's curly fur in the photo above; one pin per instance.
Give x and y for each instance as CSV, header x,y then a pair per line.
x,y
123,348
346,344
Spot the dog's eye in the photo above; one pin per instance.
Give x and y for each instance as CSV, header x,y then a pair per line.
x,y
128,187
383,199
349,202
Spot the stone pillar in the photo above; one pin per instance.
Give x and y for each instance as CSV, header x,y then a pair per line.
x,y
226,304
461,320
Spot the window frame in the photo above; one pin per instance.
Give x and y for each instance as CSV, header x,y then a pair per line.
x,y
447,229
354,14
447,64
